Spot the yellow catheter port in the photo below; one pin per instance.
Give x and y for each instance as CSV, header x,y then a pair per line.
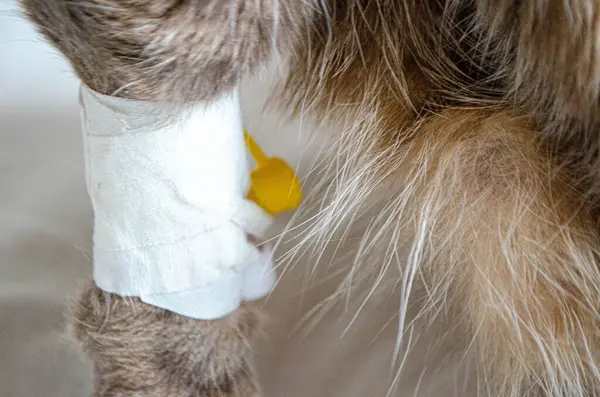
x,y
274,185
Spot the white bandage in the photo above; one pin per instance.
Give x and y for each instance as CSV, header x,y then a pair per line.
x,y
168,192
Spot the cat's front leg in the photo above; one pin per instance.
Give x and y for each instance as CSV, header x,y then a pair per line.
x,y
143,351
180,53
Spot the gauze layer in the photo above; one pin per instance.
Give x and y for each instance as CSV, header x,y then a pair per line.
x,y
170,215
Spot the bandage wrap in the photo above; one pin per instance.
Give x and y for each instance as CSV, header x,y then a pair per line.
x,y
168,192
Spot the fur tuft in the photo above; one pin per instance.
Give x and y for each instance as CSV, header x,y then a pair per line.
x,y
477,140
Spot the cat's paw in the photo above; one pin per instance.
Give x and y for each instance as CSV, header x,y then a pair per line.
x,y
140,350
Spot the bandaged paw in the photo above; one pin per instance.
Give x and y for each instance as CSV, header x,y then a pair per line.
x,y
169,198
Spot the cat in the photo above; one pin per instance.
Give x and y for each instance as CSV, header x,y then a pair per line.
x,y
482,119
